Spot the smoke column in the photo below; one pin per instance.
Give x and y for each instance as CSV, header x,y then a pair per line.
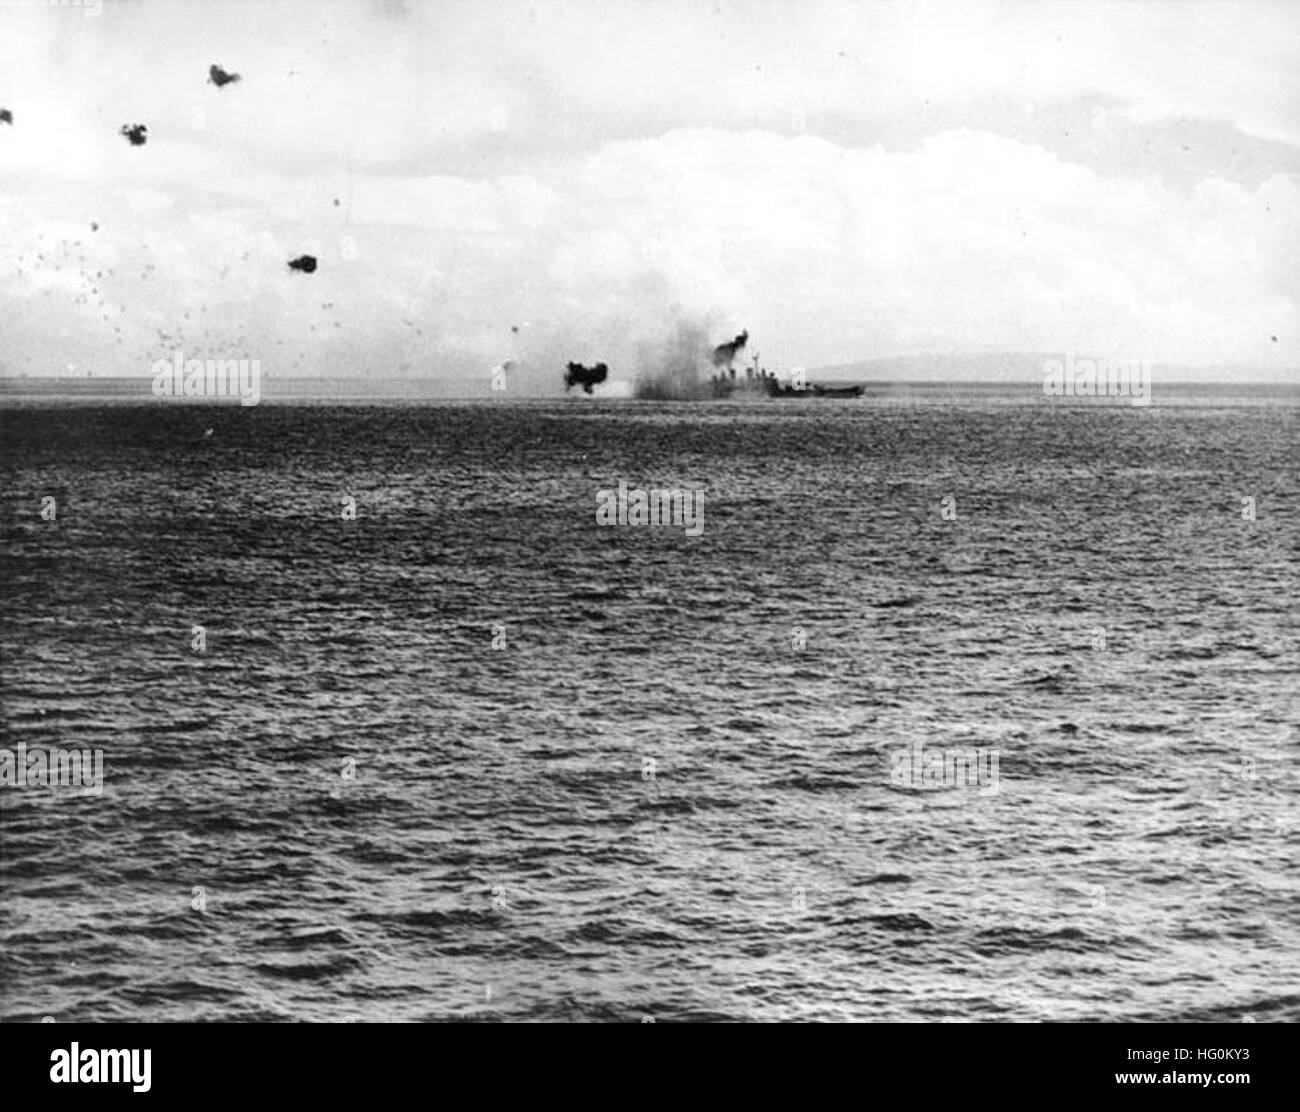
x,y
637,349
675,366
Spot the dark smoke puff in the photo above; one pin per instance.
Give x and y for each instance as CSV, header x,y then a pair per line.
x,y
218,77
586,377
6,117
135,134
305,263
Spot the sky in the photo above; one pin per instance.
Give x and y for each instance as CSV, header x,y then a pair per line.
x,y
541,182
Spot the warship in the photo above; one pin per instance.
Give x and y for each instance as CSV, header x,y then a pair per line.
x,y
757,380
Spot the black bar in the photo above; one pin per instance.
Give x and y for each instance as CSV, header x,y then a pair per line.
x,y
333,1062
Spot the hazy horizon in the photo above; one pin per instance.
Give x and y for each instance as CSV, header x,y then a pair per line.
x,y
927,368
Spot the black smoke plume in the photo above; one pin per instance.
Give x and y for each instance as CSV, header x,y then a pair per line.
x,y
135,134
305,263
725,354
586,377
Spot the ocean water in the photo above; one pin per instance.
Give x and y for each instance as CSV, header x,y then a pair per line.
x,y
473,756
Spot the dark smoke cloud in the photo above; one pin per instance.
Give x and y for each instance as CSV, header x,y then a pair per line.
x,y
586,377
136,134
725,354
218,76
305,263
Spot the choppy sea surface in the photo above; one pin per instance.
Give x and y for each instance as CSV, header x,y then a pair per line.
x,y
474,756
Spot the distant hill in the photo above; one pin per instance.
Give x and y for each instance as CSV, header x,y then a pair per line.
x,y
1023,367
